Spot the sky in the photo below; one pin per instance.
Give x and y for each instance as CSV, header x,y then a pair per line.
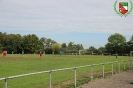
x,y
86,22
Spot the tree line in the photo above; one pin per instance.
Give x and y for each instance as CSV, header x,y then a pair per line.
x,y
116,44
33,44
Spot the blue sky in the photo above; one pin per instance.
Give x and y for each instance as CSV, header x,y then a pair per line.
x,y
88,22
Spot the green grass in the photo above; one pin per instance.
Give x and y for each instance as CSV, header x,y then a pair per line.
x,y
16,64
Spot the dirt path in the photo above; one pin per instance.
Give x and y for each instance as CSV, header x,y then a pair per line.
x,y
121,80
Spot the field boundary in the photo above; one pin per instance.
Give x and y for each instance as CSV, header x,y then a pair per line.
x,y
73,68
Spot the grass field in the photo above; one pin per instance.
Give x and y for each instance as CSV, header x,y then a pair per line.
x,y
16,64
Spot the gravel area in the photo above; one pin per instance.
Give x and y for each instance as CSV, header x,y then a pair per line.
x,y
121,80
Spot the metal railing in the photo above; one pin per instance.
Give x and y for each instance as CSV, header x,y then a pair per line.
x,y
74,68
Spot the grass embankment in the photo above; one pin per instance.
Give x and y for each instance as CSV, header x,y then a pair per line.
x,y
16,64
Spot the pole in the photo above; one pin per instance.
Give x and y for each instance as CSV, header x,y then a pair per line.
x,y
91,72
75,77
129,64
119,66
124,65
112,68
50,83
131,59
6,83
103,70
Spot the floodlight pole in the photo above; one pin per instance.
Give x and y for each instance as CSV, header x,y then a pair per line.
x,y
131,59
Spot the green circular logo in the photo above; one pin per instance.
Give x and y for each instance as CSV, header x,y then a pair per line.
x,y
120,11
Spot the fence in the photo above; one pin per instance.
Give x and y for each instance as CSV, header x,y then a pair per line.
x,y
74,68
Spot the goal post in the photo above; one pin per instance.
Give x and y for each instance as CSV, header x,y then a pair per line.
x,y
81,51
131,59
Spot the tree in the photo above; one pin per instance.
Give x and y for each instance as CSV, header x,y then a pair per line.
x,y
92,50
74,48
31,43
1,37
118,41
127,48
17,43
56,47
131,39
129,45
79,47
4,41
46,44
64,47
70,45
101,50
109,48
0,48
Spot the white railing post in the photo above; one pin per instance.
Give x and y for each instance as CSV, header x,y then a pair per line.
x,y
103,70
112,68
50,83
131,59
119,66
91,72
129,64
75,77
124,65
6,83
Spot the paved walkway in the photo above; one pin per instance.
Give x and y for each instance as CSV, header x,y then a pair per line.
x,y
121,80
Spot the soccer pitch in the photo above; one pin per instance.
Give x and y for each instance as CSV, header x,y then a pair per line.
x,y
17,64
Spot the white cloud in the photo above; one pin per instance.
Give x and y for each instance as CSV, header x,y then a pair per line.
x,y
63,16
